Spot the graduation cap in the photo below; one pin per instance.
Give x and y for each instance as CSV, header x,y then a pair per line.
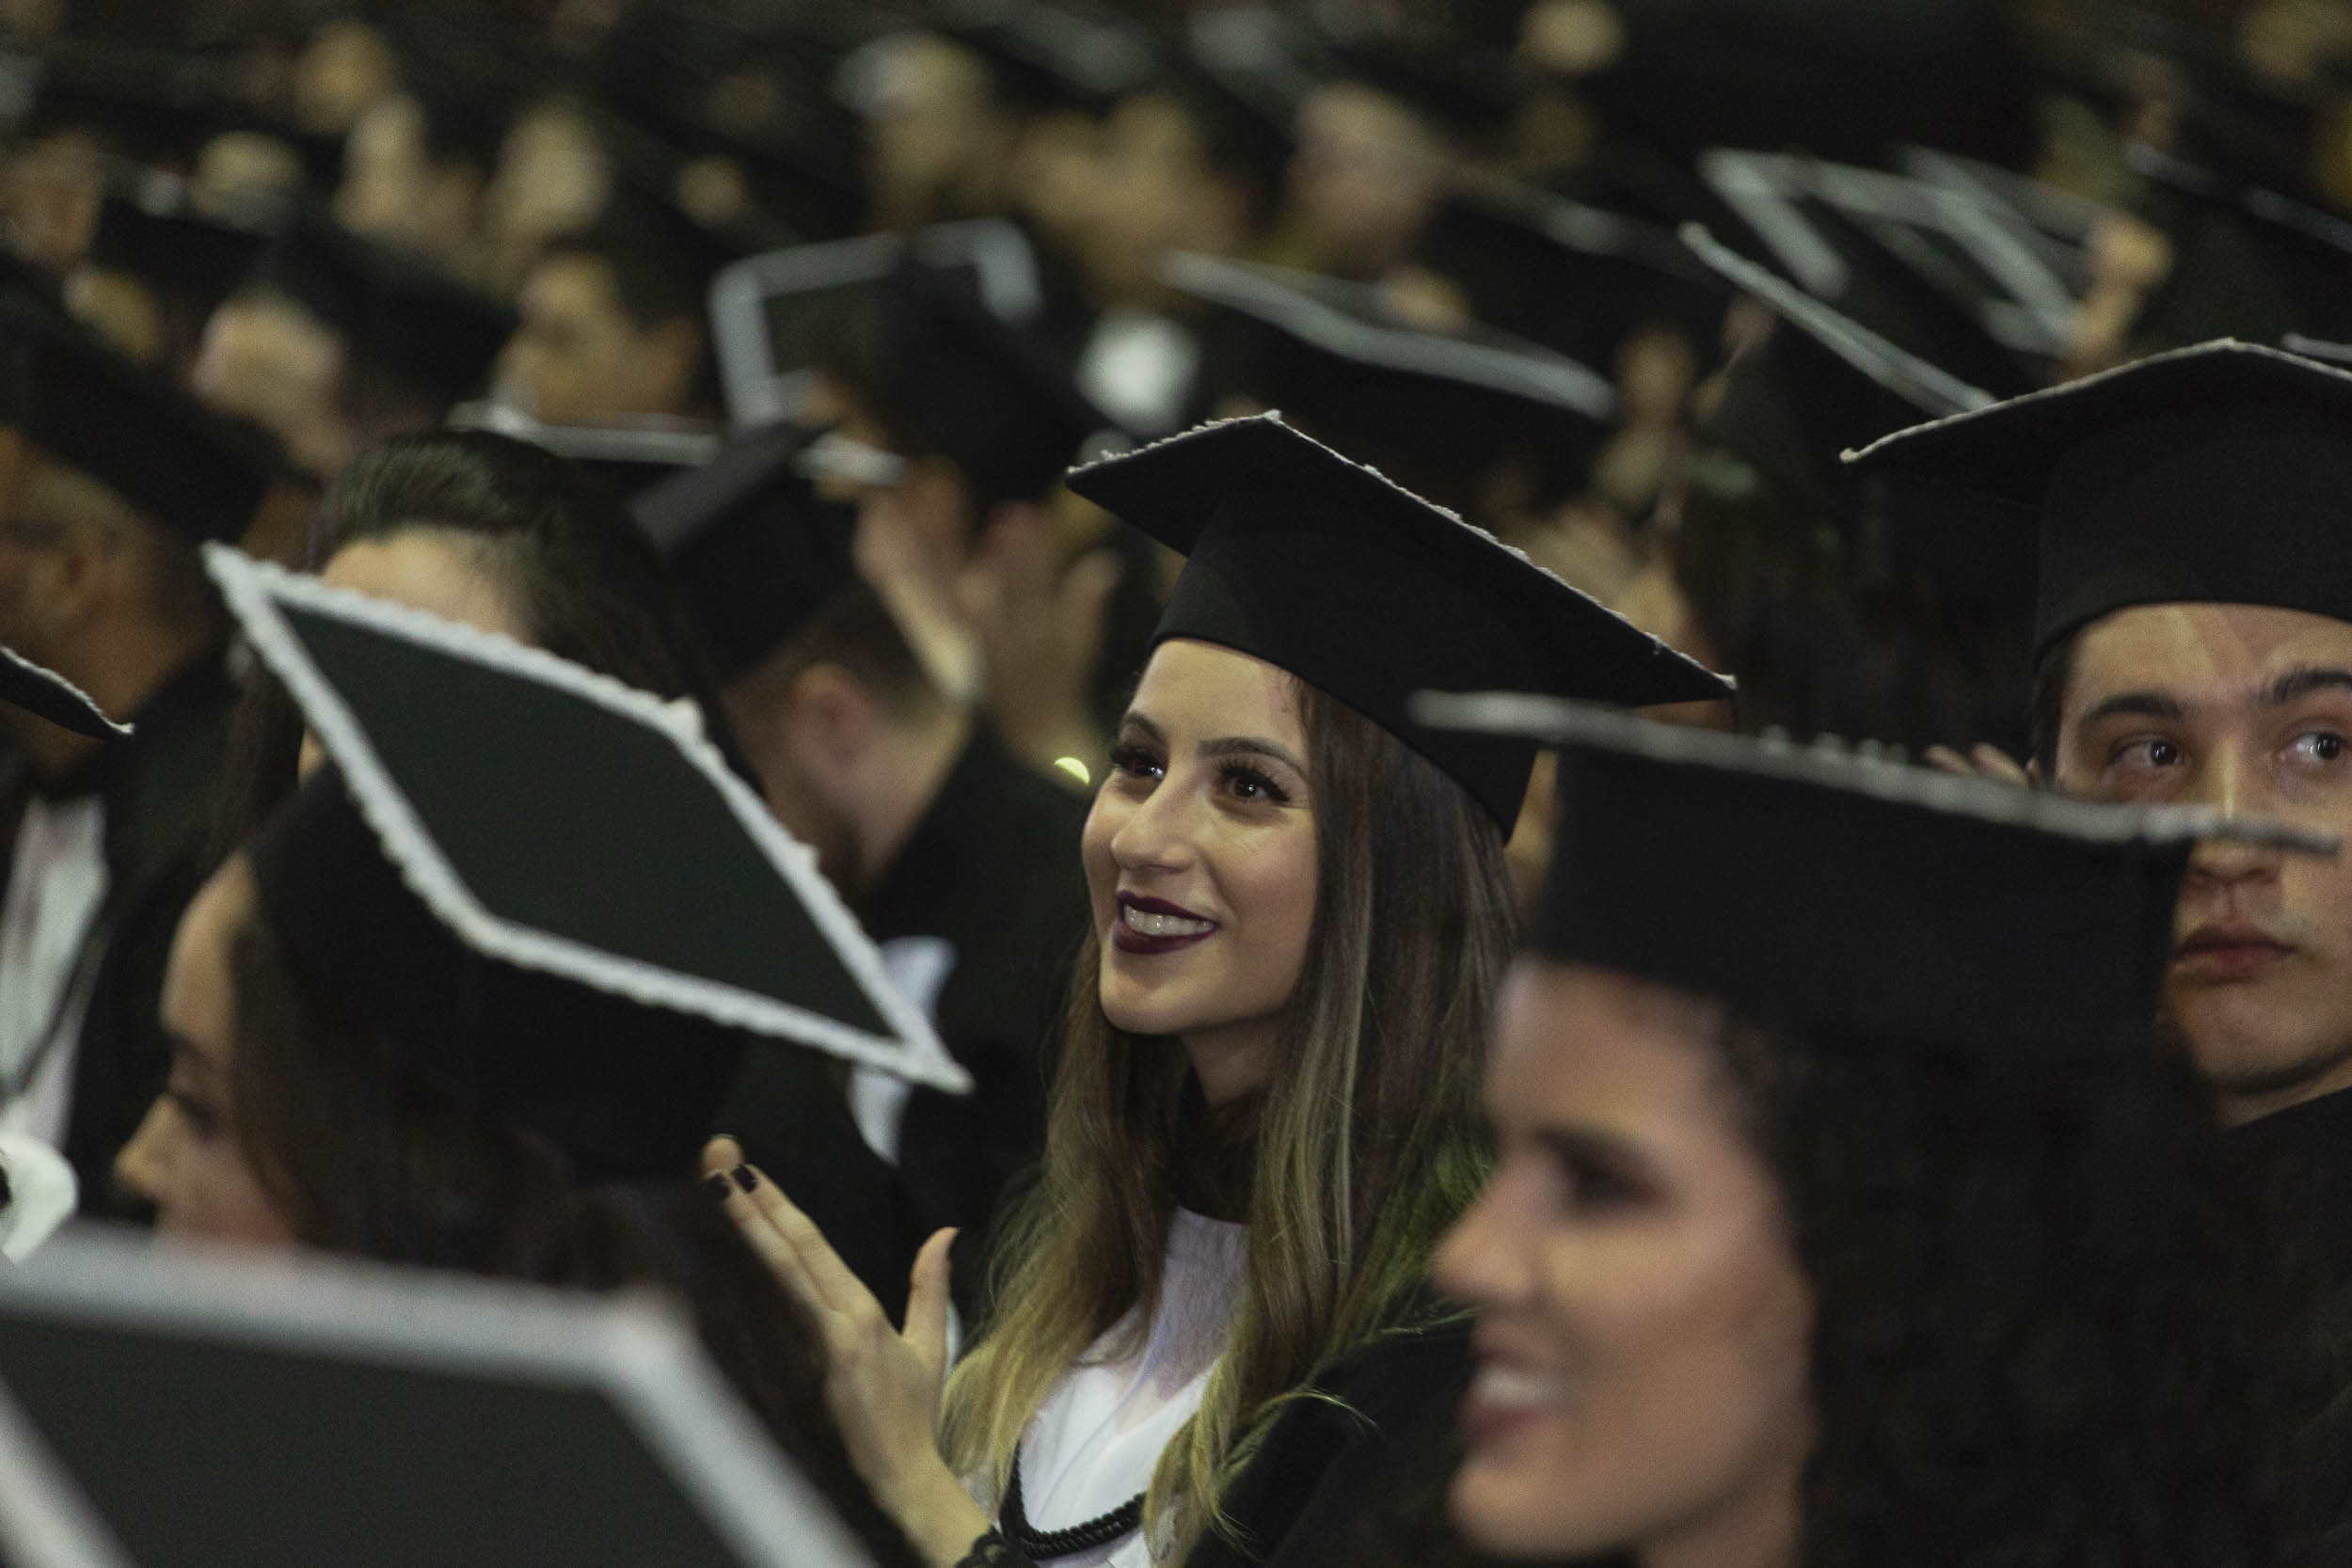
x,y
536,879
1822,384
951,378
777,318
45,694
2214,474
1827,888
754,551
1321,567
194,260
1445,410
2248,262
1896,257
217,1411
1576,278
182,467
626,458
405,321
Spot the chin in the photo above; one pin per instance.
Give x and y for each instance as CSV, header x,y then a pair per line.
x,y
1513,1508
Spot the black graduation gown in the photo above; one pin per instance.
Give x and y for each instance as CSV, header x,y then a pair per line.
x,y
993,869
2301,1160
161,793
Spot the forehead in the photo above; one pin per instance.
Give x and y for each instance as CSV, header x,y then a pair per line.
x,y
2193,652
1578,1045
198,999
1204,689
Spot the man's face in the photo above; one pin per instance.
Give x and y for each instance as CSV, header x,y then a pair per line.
x,y
579,358
2247,710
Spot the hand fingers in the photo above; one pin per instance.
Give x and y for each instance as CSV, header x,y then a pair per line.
x,y
927,1302
1947,760
721,1155
838,1287
1994,763
768,1242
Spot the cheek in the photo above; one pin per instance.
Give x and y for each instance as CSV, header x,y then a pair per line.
x,y
1103,823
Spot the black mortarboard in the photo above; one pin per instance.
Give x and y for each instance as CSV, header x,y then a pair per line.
x,y
1823,889
181,466
396,315
952,379
754,551
2247,261
626,458
544,886
1321,567
163,1405
1819,385
778,317
1570,276
1908,277
45,694
1440,410
197,261
2216,474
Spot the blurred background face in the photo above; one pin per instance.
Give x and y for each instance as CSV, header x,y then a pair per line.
x,y
580,359
552,178
393,191
1366,178
932,132
1155,192
52,193
187,1158
1200,852
2247,710
1643,1322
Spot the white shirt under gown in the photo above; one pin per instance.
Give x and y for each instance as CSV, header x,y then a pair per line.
x,y
1098,1436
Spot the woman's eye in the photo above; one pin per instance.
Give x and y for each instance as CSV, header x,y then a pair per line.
x,y
2319,746
1249,783
1135,762
201,1119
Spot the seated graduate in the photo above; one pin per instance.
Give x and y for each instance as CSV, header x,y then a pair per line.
x,y
1853,1214
499,535
472,997
1263,1117
2191,606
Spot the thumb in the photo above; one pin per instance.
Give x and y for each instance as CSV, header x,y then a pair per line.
x,y
927,1303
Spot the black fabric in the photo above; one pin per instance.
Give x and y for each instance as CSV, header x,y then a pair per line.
x,y
1321,567
513,778
1836,906
991,867
158,790
181,467
754,551
2300,1162
950,380
624,1089
196,260
1356,1479
2211,475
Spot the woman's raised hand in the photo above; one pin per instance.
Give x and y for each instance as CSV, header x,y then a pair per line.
x,y
882,1385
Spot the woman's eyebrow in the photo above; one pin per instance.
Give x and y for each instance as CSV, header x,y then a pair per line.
x,y
1250,745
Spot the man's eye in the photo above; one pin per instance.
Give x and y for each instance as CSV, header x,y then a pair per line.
x,y
2148,752
2320,746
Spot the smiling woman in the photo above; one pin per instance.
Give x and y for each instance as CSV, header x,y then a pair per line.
x,y
1853,1226
1210,1324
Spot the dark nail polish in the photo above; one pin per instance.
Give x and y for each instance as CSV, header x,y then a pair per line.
x,y
716,1185
746,1178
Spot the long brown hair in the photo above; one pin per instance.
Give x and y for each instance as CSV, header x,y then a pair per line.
x,y
1368,1146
